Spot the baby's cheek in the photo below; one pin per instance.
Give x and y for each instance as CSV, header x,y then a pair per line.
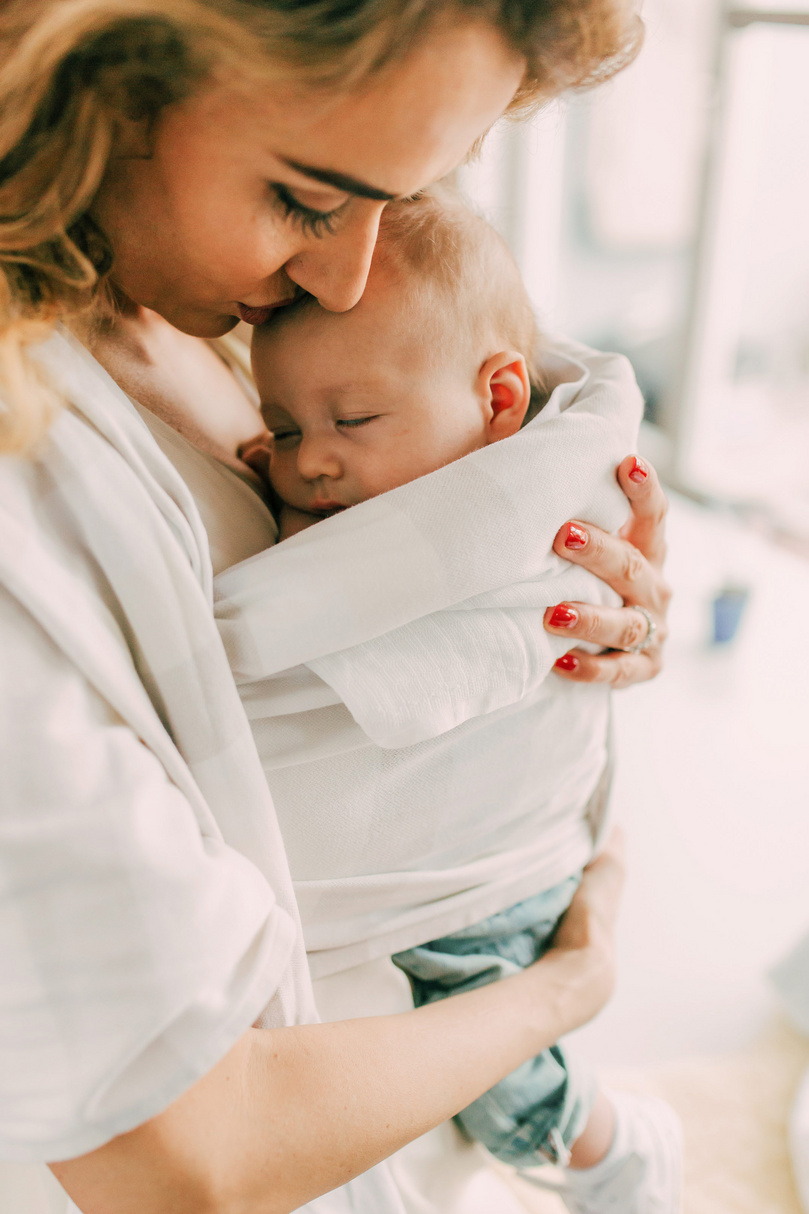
x,y
395,472
281,472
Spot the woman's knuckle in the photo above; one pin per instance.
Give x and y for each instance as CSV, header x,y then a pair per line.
x,y
623,674
633,564
633,631
591,624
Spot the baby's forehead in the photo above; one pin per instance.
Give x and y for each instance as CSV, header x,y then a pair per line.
x,y
396,323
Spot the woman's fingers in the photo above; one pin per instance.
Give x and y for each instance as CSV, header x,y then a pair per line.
x,y
610,627
605,876
645,528
617,562
631,564
616,668
594,907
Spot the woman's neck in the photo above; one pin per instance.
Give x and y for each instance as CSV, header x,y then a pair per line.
x,y
180,379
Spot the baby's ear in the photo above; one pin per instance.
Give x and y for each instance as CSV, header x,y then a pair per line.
x,y
505,391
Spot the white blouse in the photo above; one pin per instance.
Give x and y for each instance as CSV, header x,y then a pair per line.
x,y
138,939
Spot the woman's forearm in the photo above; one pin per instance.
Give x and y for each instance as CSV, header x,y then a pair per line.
x,y
291,1113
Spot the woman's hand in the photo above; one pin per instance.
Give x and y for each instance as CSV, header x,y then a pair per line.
x,y
631,563
584,944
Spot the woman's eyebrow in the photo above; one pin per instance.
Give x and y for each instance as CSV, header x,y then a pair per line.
x,y
340,181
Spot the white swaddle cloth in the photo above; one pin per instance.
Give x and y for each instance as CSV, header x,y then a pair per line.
x,y
392,662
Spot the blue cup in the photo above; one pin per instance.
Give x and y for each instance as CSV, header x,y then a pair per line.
x,y
728,609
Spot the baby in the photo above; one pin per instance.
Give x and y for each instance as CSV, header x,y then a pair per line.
x,y
362,401
438,360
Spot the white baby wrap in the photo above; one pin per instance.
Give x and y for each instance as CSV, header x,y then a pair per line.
x,y
430,774
146,916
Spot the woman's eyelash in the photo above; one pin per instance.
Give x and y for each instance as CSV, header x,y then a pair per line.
x,y
317,223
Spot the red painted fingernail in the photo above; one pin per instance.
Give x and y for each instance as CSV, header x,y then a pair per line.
x,y
577,537
563,617
639,472
567,662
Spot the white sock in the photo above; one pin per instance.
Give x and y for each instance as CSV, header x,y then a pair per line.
x,y
641,1172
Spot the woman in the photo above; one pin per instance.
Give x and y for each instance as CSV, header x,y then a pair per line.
x,y
168,168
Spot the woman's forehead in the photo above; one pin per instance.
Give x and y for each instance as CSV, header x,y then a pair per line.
x,y
400,130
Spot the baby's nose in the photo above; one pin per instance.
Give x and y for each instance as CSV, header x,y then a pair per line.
x,y
316,458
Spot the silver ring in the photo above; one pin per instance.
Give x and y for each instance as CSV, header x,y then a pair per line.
x,y
652,629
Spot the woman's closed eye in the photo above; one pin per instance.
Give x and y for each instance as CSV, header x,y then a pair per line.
x,y
311,220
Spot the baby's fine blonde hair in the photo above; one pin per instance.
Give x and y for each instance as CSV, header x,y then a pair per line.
x,y
460,279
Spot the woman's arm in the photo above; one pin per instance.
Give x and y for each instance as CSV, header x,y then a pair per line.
x,y
291,1113
632,564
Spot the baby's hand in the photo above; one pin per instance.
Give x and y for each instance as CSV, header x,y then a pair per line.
x,y
256,454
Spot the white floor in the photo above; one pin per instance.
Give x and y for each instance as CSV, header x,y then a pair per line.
x,y
713,787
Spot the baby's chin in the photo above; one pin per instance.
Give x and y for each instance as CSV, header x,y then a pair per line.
x,y
327,509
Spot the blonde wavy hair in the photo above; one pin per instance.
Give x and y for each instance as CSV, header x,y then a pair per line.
x,y
73,71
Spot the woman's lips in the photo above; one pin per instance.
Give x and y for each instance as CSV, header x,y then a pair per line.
x,y
258,316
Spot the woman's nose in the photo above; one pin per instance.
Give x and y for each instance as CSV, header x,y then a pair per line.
x,y
317,458
335,268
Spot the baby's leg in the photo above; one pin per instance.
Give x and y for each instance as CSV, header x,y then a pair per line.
x,y
628,1158
596,1138
619,1152
539,1110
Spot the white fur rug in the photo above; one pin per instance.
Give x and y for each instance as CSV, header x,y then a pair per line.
x,y
734,1110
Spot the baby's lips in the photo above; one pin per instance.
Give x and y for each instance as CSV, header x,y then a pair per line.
x,y
327,507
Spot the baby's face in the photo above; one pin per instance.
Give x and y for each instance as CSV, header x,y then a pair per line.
x,y
357,404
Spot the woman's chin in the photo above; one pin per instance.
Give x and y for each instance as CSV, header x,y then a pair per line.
x,y
205,324
199,324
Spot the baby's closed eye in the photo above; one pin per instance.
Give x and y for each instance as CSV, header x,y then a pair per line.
x,y
350,423
285,435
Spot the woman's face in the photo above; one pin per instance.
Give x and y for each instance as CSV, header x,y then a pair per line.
x,y
247,196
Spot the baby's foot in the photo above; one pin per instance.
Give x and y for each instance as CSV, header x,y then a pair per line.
x,y
642,1171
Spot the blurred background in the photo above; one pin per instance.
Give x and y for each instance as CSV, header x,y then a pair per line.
x,y
666,215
